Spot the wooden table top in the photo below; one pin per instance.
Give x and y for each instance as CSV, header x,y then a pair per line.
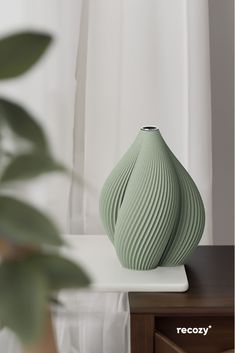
x,y
211,278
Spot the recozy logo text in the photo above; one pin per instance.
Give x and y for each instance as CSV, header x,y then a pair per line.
x,y
193,330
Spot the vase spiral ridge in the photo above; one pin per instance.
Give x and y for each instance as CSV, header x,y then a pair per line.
x,y
150,207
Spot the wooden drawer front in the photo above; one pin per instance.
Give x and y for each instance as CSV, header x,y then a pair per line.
x,y
165,345
142,332
219,337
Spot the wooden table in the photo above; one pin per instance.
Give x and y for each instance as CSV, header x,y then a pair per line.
x,y
155,317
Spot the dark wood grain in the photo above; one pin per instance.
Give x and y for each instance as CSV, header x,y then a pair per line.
x,y
210,276
209,301
142,329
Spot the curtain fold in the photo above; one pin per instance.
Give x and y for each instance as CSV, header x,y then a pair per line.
x,y
94,323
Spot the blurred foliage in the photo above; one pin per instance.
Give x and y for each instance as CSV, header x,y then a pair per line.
x,y
29,270
20,51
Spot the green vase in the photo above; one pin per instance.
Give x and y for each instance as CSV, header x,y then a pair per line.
x,y
150,207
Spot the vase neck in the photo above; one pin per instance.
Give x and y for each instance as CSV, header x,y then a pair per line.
x,y
149,128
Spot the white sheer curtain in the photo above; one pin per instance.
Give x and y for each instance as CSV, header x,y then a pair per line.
x,y
96,323
88,323
140,62
48,90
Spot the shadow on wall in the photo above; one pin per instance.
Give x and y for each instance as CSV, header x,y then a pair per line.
x,y
221,15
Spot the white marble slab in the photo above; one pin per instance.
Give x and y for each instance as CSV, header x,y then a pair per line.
x,y
98,257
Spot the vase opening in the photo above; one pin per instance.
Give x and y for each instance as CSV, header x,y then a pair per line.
x,y
149,128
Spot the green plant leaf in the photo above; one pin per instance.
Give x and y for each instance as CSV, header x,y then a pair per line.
x,y
22,124
59,271
23,297
25,225
28,166
20,51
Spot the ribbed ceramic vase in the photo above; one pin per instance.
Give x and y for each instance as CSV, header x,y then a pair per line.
x,y
150,207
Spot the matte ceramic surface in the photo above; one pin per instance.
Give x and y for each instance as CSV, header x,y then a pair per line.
x,y
150,207
98,257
